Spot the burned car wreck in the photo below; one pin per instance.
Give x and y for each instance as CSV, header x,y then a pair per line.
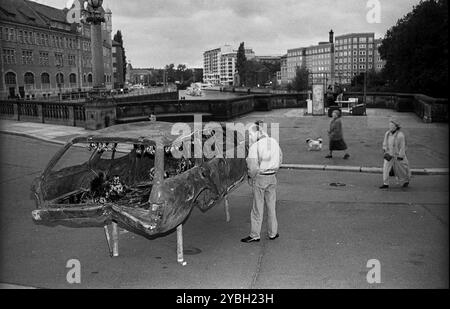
x,y
128,175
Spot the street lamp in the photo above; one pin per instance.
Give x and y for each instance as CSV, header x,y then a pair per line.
x,y
94,16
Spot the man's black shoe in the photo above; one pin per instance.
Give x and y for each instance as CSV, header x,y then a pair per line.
x,y
274,237
249,239
384,187
405,185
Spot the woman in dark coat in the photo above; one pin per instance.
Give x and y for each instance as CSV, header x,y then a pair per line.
x,y
335,135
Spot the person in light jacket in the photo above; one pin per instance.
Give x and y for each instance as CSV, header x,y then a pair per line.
x,y
394,148
263,162
336,136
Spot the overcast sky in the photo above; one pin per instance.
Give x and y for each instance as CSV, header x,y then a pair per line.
x,y
159,32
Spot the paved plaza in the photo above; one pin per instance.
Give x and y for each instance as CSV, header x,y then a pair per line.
x,y
328,234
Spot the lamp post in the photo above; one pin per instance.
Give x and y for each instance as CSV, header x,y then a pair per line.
x,y
95,16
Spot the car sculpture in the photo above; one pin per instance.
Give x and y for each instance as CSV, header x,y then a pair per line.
x,y
128,175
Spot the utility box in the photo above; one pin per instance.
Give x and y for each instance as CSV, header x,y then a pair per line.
x,y
309,105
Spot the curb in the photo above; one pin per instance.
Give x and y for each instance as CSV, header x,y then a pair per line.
x,y
363,169
48,140
309,167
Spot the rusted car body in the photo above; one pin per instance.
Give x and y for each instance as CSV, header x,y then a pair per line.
x,y
127,174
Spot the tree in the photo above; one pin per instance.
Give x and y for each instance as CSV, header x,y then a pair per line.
x,y
170,72
301,80
416,50
375,81
119,39
241,61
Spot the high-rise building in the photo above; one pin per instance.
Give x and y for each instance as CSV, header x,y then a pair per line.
x,y
219,64
42,54
296,58
320,62
339,60
356,53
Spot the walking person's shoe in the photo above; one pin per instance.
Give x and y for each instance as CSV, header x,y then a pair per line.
x,y
405,185
384,187
250,239
346,156
329,157
274,237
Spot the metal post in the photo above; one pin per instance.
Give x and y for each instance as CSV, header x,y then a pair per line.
x,y
115,237
180,257
365,86
114,248
227,209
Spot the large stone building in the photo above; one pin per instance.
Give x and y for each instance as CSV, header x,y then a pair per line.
x,y
42,54
118,65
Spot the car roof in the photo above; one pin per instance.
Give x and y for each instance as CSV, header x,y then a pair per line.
x,y
140,132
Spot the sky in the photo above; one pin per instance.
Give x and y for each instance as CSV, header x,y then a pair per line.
x,y
160,32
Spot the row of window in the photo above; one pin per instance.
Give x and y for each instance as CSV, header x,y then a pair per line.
x,y
349,60
41,39
9,57
355,67
354,40
10,78
360,46
355,53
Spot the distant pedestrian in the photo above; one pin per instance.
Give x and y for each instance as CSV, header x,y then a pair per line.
x,y
395,160
336,137
263,161
330,96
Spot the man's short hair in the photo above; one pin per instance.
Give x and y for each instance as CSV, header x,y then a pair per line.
x,y
258,125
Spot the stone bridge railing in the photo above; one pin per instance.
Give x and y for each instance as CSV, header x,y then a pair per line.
x,y
427,108
70,114
108,111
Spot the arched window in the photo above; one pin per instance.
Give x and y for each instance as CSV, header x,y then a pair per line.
x,y
59,78
10,78
29,78
89,78
73,78
45,78
84,78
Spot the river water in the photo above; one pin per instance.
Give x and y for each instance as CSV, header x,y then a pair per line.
x,y
208,95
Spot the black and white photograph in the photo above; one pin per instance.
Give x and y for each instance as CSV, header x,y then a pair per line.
x,y
224,151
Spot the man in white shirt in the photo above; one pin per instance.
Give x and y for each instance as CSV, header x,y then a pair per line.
x,y
263,162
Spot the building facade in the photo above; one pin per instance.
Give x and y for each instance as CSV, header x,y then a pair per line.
x,y
379,63
356,53
43,55
320,62
219,64
117,65
296,58
283,75
338,60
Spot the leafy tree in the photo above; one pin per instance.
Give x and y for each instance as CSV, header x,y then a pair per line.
x,y
301,80
170,71
416,50
241,61
375,81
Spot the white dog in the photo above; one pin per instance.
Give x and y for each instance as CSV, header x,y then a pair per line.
x,y
314,145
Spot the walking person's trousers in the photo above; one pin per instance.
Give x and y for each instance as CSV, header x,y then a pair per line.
x,y
264,190
401,170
